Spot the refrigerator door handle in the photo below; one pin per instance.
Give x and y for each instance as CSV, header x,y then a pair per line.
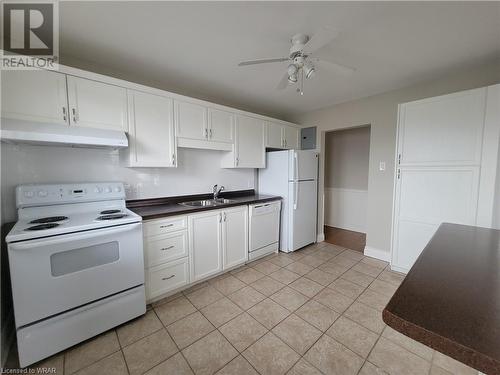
x,y
295,195
295,167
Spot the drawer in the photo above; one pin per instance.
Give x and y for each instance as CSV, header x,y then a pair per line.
x,y
166,277
161,226
165,247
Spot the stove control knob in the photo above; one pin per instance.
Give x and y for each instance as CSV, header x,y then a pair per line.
x,y
98,189
42,193
28,194
118,189
108,189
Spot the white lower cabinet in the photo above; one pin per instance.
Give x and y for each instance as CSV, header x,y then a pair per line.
x,y
166,257
181,250
234,236
167,277
218,240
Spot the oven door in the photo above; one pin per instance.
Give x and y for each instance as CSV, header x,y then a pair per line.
x,y
54,274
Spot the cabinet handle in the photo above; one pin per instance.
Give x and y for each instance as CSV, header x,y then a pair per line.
x,y
220,218
75,119
210,131
173,159
168,247
168,278
206,133
64,113
224,216
237,161
166,226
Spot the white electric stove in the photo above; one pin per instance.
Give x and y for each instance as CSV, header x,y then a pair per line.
x,y
76,265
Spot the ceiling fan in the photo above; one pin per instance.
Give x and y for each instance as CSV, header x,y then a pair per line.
x,y
302,61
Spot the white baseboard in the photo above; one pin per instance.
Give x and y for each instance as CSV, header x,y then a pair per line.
x,y
377,253
320,237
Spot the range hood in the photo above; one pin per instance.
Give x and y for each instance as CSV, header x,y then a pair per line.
x,y
15,131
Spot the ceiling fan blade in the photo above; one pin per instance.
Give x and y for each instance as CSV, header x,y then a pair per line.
x,y
320,39
263,61
336,67
283,83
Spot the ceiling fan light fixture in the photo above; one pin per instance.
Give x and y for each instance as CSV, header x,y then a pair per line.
x,y
292,78
309,70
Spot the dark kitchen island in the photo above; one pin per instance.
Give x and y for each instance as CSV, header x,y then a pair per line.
x,y
450,299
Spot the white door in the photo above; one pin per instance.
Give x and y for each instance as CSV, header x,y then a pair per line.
x,y
303,165
274,135
191,120
290,137
437,177
205,244
302,214
152,141
97,105
221,126
235,236
34,95
250,148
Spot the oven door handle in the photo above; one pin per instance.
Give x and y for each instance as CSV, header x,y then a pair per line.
x,y
27,245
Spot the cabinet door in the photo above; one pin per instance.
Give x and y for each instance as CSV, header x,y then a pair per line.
x,y
235,236
34,95
205,245
191,120
290,137
97,105
152,141
274,135
250,149
221,126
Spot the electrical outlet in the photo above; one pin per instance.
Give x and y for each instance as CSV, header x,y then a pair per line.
x,y
381,166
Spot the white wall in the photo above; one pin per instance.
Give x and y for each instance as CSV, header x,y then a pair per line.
x,y
197,172
347,154
380,111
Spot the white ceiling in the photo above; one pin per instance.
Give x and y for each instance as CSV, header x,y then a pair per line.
x,y
193,47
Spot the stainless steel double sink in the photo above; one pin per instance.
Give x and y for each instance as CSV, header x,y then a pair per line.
x,y
207,202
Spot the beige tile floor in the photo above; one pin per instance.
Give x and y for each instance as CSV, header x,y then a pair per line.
x,y
314,311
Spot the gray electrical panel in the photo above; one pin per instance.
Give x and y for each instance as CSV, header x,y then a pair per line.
x,y
308,138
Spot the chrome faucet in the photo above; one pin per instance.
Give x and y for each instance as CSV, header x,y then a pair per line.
x,y
217,192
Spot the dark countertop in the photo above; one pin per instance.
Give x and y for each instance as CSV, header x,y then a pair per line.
x,y
450,299
162,207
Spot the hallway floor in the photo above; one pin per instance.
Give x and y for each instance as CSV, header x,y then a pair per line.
x,y
345,238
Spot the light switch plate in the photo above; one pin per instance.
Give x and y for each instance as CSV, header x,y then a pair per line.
x,y
381,166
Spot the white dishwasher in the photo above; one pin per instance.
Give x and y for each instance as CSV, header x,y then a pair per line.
x,y
264,219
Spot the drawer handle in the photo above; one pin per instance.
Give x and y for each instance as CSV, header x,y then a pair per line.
x,y
168,247
166,226
168,278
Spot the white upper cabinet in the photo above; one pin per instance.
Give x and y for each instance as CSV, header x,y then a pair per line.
x,y
34,95
249,148
234,236
97,105
281,136
274,135
191,120
151,136
290,137
220,126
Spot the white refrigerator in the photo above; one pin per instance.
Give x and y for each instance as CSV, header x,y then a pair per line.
x,y
293,175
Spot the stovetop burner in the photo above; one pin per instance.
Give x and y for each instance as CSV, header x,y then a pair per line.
x,y
50,219
43,226
111,217
107,212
